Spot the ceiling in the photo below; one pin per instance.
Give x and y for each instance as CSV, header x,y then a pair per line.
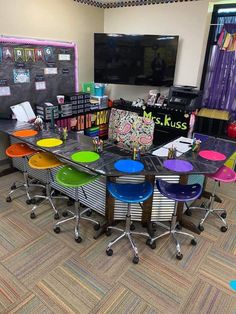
x,y
108,4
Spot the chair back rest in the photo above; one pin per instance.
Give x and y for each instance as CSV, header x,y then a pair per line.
x,y
127,128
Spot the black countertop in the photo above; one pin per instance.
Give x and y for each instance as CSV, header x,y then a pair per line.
x,y
111,153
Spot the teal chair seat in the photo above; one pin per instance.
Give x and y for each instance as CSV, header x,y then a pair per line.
x,y
71,177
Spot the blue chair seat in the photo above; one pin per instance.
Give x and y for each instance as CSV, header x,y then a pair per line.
x,y
130,193
179,192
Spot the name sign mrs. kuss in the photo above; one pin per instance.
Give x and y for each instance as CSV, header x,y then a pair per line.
x,y
168,119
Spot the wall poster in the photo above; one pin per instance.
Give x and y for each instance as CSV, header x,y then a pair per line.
x,y
35,71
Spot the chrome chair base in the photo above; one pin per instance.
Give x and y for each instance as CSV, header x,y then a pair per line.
x,y
125,233
213,211
172,230
26,185
48,197
207,206
77,216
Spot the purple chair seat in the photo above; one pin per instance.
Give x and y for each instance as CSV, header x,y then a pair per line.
x,y
179,192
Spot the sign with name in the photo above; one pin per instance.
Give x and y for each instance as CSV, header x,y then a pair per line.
x,y
50,71
5,91
64,57
166,119
39,78
65,71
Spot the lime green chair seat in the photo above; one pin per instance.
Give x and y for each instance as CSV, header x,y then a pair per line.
x,y
231,162
71,177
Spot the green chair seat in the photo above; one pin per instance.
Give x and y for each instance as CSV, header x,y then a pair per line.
x,y
71,177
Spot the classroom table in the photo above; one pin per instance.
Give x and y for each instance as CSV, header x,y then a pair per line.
x,y
153,165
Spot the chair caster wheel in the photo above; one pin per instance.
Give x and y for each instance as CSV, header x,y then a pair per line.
x,y
193,242
132,227
56,216
33,201
108,232
57,229
188,212
223,229
78,240
179,256
65,214
148,242
135,260
223,215
70,203
109,252
32,215
178,227
89,213
8,199
28,202
203,205
96,227
44,192
154,225
200,227
13,187
152,245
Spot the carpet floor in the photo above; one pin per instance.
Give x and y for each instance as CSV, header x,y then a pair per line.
x,y
44,272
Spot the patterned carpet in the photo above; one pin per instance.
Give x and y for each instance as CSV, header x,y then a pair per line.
x,y
44,272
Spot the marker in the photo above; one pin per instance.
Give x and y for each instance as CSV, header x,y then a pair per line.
x,y
185,142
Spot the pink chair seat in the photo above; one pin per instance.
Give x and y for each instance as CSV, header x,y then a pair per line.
x,y
224,174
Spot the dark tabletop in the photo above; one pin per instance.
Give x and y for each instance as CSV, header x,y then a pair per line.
x,y
153,165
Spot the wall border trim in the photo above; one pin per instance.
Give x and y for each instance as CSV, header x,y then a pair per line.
x,y
127,3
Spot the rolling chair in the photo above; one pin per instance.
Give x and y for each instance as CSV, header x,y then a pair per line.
x,y
179,193
226,175
22,150
128,193
46,161
70,177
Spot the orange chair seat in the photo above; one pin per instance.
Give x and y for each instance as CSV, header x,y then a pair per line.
x,y
25,133
44,160
19,150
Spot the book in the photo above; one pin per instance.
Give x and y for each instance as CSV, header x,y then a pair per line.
x,y
23,112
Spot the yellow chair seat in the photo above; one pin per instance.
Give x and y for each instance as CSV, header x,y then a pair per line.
x,y
44,160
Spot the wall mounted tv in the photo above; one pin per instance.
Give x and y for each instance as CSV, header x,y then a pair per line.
x,y
135,59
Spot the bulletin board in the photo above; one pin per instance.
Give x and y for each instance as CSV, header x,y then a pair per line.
x,y
35,71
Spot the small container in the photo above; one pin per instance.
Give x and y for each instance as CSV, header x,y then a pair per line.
x,y
196,145
171,153
98,145
134,153
63,134
99,89
60,99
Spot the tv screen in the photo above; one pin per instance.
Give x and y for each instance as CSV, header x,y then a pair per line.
x,y
135,59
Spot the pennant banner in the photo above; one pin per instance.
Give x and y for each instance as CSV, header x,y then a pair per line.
x,y
227,41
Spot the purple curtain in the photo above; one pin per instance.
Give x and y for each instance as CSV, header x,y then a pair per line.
x,y
220,84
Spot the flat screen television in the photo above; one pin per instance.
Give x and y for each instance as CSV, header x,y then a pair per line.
x,y
147,60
